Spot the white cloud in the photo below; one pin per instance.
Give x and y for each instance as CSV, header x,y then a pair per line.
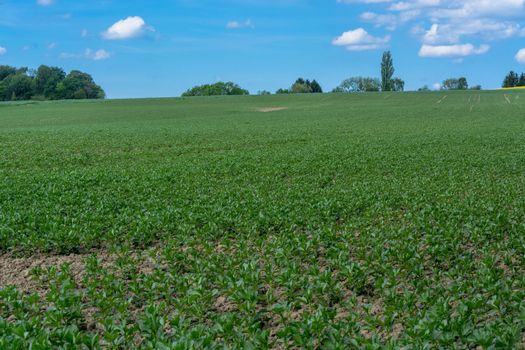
x,y
239,25
128,28
89,54
45,2
436,86
520,56
360,40
3,51
97,55
452,50
448,23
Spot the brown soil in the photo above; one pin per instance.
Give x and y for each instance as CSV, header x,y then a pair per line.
x,y
16,271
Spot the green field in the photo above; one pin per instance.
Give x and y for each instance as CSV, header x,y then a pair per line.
x,y
329,221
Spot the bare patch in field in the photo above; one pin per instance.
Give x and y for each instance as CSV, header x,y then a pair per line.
x,y
16,271
271,109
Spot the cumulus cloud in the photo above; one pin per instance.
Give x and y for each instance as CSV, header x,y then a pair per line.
x,y
448,24
240,24
520,56
128,28
45,2
3,51
452,50
360,40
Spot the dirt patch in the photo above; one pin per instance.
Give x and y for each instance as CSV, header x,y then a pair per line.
x,y
271,109
16,271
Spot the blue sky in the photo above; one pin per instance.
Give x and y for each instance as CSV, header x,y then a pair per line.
x,y
160,48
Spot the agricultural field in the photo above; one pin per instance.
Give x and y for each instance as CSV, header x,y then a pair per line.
x,y
330,221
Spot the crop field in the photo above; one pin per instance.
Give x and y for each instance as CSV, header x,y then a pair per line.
x,y
352,221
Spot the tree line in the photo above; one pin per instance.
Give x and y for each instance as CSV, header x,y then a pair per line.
x,y
46,83
301,86
513,80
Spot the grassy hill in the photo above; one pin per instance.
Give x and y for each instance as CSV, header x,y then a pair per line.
x,y
303,221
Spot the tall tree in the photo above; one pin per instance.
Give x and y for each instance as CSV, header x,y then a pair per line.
x,y
387,71
316,88
511,80
522,80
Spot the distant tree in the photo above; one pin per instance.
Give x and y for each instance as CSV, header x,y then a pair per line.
x,y
263,92
521,81
17,87
47,80
217,89
301,88
359,84
424,88
475,87
462,83
79,85
315,87
511,80
6,71
46,83
387,71
455,84
398,85
450,84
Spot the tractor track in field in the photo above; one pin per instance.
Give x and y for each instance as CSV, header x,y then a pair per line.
x,y
441,100
473,103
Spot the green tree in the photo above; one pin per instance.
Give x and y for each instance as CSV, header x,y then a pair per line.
x,y
79,85
455,84
521,81
398,85
301,87
17,87
359,84
6,71
462,83
217,89
316,87
511,80
47,80
387,71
